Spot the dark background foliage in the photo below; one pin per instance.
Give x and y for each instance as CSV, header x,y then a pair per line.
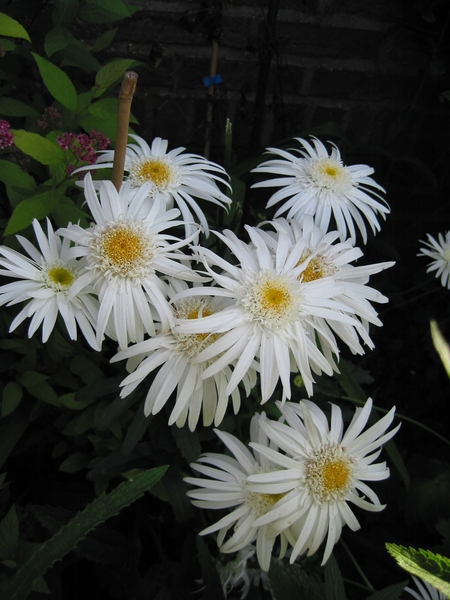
x,y
371,76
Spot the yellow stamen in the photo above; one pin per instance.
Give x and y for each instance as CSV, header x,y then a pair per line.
x,y
60,276
335,475
122,248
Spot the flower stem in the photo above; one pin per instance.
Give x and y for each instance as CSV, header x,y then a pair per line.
x,y
358,568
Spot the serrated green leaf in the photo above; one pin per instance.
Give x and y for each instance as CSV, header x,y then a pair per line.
x,y
11,397
13,176
334,583
37,207
9,107
106,11
57,39
104,40
391,592
9,535
12,28
38,147
75,462
57,82
432,568
64,12
76,530
111,73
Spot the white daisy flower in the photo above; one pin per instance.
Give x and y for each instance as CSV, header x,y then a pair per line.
x,y
426,591
174,354
321,256
47,282
174,176
439,251
312,181
125,250
224,486
273,316
322,470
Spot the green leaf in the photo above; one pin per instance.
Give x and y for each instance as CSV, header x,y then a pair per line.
x,y
432,568
15,108
11,397
104,40
38,147
75,462
76,530
40,586
334,583
107,108
106,11
78,55
211,580
107,127
87,370
392,592
38,387
291,581
9,535
57,82
13,176
37,207
441,346
67,211
112,73
7,44
12,28
176,490
56,39
11,430
64,12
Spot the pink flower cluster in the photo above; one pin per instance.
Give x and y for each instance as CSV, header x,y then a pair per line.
x,y
6,137
83,146
51,118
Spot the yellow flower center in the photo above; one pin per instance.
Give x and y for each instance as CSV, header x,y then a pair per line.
x,y
330,174
261,503
123,250
60,276
329,474
192,344
271,300
157,170
316,268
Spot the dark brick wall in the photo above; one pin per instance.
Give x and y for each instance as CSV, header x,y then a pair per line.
x,y
355,62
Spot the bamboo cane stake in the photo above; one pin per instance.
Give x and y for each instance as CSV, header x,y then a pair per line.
x,y
127,90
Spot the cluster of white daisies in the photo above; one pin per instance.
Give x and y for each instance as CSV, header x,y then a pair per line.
x,y
201,324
